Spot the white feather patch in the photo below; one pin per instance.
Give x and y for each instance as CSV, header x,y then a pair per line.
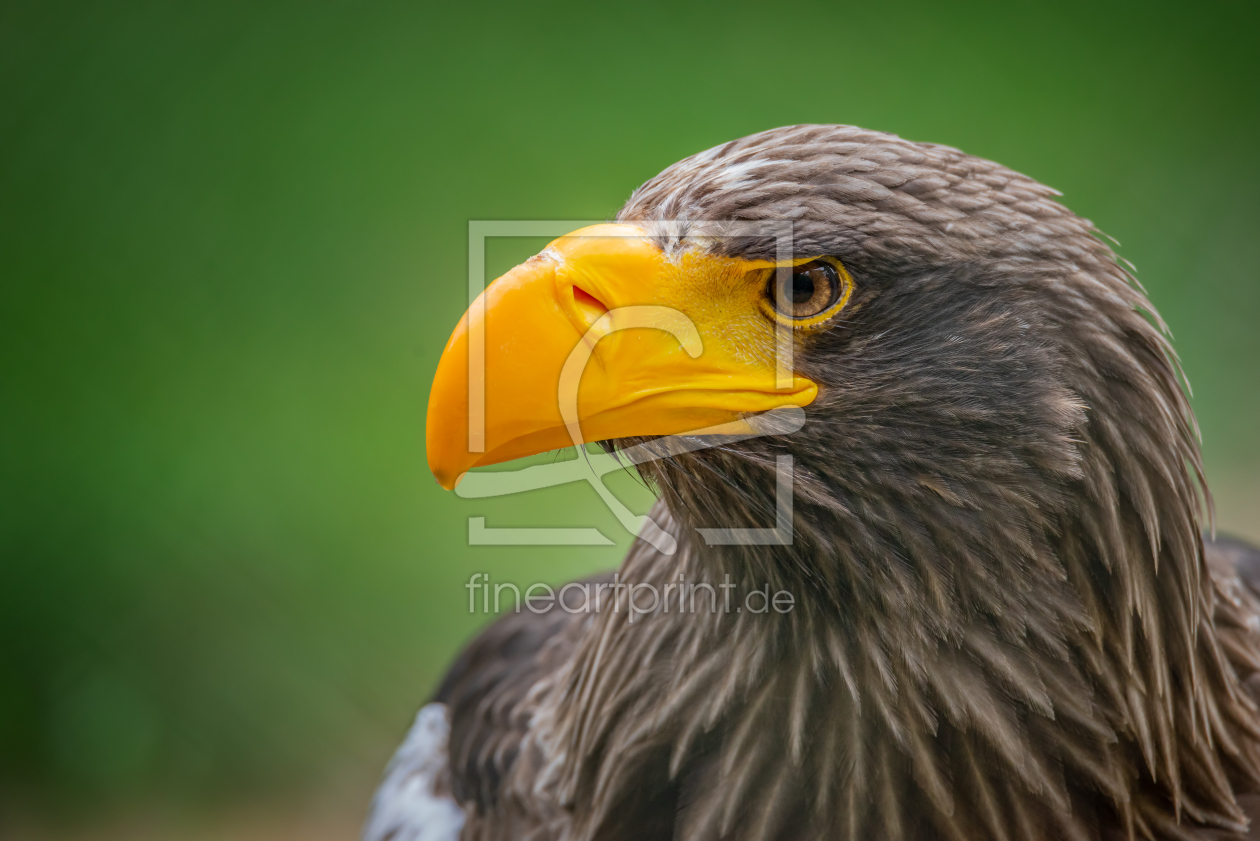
x,y
406,806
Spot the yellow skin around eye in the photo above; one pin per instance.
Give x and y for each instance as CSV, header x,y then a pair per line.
x,y
726,299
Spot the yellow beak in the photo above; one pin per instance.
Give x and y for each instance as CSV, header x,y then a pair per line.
x,y
600,336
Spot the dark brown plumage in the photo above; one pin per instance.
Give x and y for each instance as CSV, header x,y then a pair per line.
x,y
1006,623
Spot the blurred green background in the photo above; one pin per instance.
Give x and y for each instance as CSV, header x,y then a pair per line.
x,y
233,241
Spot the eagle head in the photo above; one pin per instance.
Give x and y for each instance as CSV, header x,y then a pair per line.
x,y
974,363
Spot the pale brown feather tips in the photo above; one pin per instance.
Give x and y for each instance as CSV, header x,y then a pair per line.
x,y
893,201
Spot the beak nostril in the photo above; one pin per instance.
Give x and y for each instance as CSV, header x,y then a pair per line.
x,y
588,305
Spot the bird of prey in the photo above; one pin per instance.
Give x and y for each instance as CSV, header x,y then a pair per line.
x,y
1002,618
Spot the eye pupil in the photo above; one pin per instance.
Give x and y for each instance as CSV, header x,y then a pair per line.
x,y
802,288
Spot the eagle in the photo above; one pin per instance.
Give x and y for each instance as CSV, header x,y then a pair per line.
x,y
942,429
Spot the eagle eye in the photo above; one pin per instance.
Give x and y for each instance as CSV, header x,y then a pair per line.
x,y
809,293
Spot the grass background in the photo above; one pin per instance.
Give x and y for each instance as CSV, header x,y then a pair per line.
x,y
233,243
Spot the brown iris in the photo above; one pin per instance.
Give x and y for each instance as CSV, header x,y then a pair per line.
x,y
810,290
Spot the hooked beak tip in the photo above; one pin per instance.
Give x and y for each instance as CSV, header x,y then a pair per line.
x,y
449,484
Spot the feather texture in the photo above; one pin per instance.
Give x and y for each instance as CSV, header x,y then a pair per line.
x,y
1007,625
